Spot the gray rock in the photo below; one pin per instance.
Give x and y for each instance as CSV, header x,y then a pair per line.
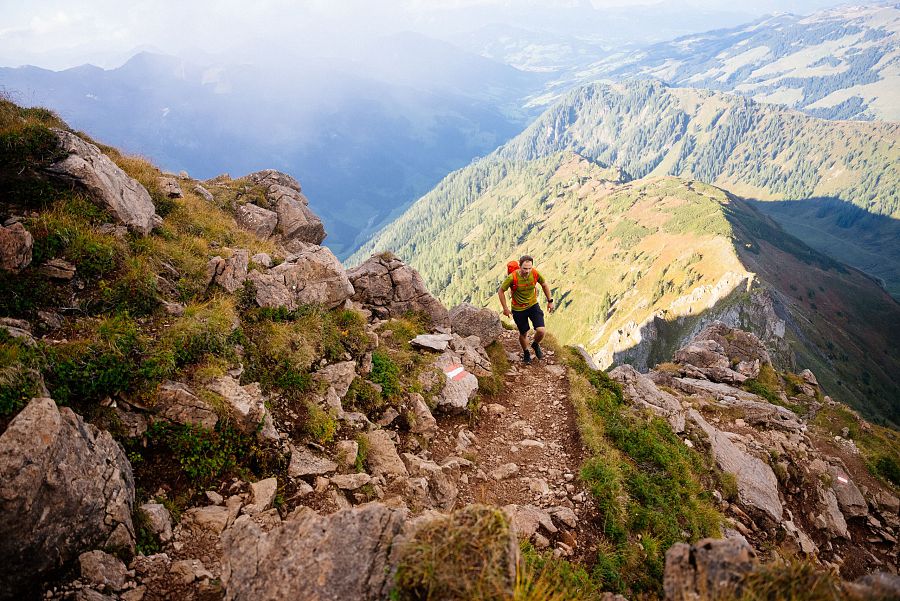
x,y
65,488
472,354
347,553
15,247
850,500
212,519
338,376
262,259
170,187
204,193
173,309
382,457
176,402
58,269
737,345
390,288
305,463
641,391
504,471
230,273
881,586
468,320
256,219
527,519
432,342
830,517
756,482
262,493
126,199
441,488
295,220
459,387
315,276
159,519
102,570
271,290
247,404
351,481
707,569
425,423
51,320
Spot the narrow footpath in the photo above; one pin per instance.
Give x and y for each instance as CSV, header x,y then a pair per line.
x,y
527,451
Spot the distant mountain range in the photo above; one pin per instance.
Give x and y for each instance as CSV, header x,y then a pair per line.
x,y
368,133
365,138
842,63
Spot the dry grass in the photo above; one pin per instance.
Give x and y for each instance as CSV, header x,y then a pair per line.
x,y
468,556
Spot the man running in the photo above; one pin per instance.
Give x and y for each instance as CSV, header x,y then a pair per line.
x,y
525,305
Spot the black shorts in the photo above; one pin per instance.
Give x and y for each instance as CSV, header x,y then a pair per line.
x,y
533,313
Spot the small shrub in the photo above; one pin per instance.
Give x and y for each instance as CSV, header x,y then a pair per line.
x,y
204,329
888,468
135,291
363,397
319,425
362,454
542,577
147,542
19,374
386,374
203,455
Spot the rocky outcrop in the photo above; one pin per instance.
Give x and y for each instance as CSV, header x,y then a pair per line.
x,y
126,199
229,273
389,288
15,247
345,555
256,219
756,482
176,402
468,320
170,187
314,276
643,392
247,405
295,221
65,488
707,569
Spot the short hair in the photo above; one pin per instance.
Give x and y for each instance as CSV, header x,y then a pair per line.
x,y
524,258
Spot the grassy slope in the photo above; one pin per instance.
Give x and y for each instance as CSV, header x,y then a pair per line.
x,y
754,150
617,254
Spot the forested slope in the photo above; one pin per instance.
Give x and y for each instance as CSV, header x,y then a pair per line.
x,y
636,266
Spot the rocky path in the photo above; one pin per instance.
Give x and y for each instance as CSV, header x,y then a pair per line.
x,y
527,452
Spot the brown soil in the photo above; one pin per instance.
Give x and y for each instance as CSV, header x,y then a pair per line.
x,y
536,411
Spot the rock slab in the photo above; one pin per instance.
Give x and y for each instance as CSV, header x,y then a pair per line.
x,y
65,488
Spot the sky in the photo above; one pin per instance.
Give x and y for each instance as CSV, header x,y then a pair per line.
x,y
58,34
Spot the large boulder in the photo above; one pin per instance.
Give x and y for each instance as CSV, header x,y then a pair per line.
x,y
256,219
315,276
65,488
15,247
756,482
742,348
126,199
295,221
345,555
468,320
271,291
389,288
708,569
382,457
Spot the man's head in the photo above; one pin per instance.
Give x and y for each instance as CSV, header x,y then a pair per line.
x,y
526,263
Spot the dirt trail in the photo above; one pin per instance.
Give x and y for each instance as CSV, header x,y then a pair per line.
x,y
530,425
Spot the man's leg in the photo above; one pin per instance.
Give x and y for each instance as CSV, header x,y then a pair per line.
x,y
539,334
523,340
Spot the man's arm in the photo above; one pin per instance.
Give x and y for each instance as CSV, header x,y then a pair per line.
x,y
502,293
550,304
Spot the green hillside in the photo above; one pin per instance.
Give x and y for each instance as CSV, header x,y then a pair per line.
x,y
660,251
754,150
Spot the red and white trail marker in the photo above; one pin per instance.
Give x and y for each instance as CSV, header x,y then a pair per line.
x,y
455,372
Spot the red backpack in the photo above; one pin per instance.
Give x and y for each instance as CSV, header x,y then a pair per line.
x,y
513,268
